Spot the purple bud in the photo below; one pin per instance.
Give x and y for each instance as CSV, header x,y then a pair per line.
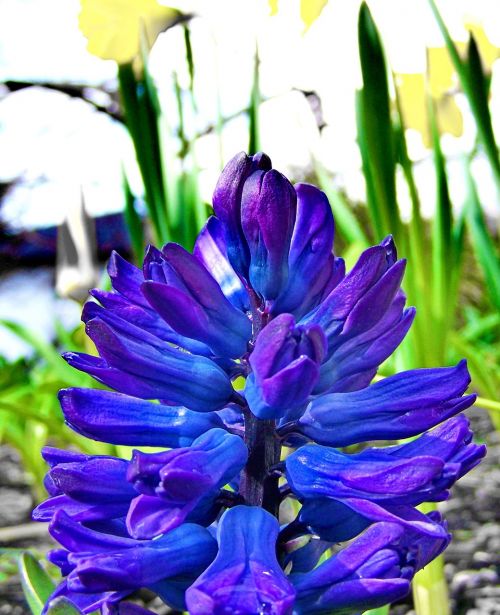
x,y
227,204
268,210
285,364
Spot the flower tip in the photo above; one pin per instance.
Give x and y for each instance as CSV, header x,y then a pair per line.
x,y
262,161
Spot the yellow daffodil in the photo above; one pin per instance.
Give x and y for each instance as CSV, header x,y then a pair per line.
x,y
310,10
442,83
412,99
114,28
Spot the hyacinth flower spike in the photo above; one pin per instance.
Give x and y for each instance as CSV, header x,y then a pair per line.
x,y
219,359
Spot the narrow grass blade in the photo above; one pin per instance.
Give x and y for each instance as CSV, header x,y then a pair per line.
x,y
482,242
478,100
149,113
371,198
382,610
472,80
376,127
189,58
141,117
417,283
442,263
430,591
128,91
253,110
134,223
60,368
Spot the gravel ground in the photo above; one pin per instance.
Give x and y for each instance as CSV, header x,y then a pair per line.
x,y
473,513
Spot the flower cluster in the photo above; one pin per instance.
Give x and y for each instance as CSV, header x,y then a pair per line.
x,y
205,521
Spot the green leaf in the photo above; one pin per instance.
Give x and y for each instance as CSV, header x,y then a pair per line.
x,y
44,349
484,247
189,57
442,263
478,100
62,606
382,610
253,110
473,82
36,583
140,105
375,133
133,222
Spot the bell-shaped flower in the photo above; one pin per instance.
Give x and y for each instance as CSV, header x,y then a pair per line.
x,y
211,249
264,298
312,268
227,204
191,301
384,484
107,496
364,319
375,569
397,407
133,362
100,567
268,210
182,484
112,417
127,302
245,577
285,367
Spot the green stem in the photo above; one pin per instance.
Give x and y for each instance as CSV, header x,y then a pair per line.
x,y
430,590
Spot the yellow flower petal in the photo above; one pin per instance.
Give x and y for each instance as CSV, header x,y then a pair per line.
x,y
113,27
273,6
411,94
412,100
442,76
449,116
310,10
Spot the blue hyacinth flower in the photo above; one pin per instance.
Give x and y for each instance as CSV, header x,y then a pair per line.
x,y
219,359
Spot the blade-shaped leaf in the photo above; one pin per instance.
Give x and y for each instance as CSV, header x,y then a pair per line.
x,y
472,80
37,585
254,109
133,222
376,128
484,247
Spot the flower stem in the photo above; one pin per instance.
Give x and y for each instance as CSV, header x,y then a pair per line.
x,y
259,485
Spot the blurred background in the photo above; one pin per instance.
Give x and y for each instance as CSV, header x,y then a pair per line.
x,y
116,118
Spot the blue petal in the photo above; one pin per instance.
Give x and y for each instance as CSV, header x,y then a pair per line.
x,y
400,406
268,210
119,419
310,249
196,306
227,204
285,364
182,483
133,366
211,250
373,570
245,577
